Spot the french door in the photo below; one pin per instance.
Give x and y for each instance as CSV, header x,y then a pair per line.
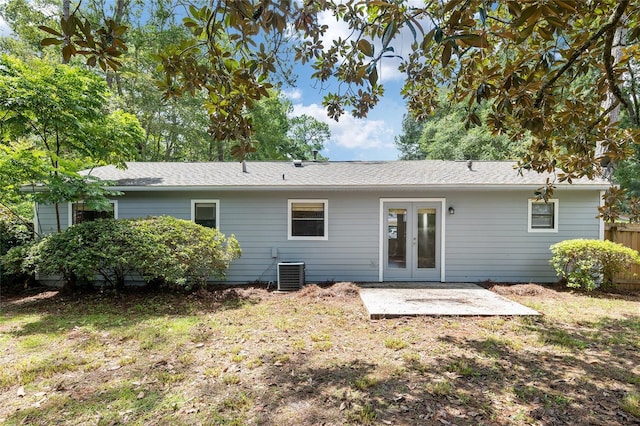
x,y
412,241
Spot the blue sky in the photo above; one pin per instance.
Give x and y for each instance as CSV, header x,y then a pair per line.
x,y
371,138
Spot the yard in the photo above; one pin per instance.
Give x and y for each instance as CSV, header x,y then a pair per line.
x,y
249,356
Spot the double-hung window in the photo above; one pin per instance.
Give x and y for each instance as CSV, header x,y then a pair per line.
x,y
543,216
308,220
81,212
206,213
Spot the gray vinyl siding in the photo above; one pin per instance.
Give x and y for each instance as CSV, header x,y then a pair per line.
x,y
486,238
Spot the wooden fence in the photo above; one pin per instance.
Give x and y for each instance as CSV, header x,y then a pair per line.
x,y
627,235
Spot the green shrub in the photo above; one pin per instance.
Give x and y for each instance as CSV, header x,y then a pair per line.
x,y
590,264
16,235
194,252
161,249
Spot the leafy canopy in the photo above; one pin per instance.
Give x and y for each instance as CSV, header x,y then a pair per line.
x,y
53,123
234,45
555,69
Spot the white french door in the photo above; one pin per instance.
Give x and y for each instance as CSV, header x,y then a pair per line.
x,y
412,240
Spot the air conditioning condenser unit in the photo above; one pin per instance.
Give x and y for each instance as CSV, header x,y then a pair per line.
x,y
290,276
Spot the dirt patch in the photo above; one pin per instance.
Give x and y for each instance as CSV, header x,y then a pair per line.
x,y
521,290
342,290
558,291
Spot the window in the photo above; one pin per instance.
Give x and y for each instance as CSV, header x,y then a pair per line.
x,y
543,217
308,220
80,212
206,213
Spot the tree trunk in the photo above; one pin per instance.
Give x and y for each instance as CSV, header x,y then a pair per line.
x,y
65,15
608,166
220,150
57,208
112,77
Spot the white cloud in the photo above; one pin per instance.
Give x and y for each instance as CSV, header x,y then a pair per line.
x,y
351,132
293,94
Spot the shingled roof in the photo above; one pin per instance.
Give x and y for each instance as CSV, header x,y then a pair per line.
x,y
318,175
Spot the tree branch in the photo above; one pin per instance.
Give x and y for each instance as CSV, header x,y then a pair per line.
x,y
604,114
611,24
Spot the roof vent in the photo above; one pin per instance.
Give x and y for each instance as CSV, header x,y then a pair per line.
x,y
470,165
315,155
297,163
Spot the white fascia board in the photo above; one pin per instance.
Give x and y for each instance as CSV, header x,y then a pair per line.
x,y
431,187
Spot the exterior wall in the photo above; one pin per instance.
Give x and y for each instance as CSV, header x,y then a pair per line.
x,y
486,238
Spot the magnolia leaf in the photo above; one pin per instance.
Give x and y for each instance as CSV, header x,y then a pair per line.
x,y
450,5
49,30
473,40
532,13
437,36
388,34
365,47
373,77
49,41
412,28
482,12
446,54
68,51
68,25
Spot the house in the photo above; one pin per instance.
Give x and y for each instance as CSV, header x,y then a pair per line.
x,y
449,221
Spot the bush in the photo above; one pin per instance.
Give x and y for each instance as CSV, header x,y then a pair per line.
x,y
101,247
192,253
162,249
590,264
15,234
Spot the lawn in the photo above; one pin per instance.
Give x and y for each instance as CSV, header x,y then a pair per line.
x,y
250,356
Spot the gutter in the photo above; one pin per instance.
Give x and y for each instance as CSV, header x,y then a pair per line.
x,y
452,187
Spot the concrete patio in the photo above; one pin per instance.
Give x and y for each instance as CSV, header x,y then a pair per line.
x,y
389,300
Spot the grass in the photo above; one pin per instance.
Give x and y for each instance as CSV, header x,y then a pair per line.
x,y
248,356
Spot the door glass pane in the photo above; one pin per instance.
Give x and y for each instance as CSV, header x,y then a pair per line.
x,y
426,238
397,238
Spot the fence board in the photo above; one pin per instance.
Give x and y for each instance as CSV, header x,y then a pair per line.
x,y
627,235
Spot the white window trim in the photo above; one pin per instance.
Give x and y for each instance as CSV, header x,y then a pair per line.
x,y
193,210
325,202
71,203
556,209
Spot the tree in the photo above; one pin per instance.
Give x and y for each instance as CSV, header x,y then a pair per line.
x,y
308,137
278,135
53,124
445,137
23,17
408,142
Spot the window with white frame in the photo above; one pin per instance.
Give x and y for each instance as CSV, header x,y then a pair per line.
x,y
308,220
543,216
80,212
206,213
